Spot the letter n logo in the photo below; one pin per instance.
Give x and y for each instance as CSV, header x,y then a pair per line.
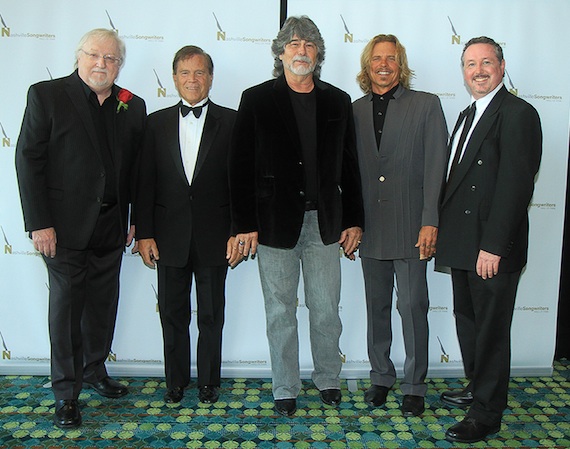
x,y
444,358
348,37
6,355
5,32
112,357
221,36
455,39
5,141
514,91
161,92
7,249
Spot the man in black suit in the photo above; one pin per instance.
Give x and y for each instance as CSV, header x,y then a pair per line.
x,y
183,216
74,159
495,150
295,189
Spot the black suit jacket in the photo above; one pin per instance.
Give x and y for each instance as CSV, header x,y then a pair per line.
x,y
58,160
169,208
267,176
484,207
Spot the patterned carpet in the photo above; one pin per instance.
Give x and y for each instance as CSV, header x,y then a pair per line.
x,y
538,416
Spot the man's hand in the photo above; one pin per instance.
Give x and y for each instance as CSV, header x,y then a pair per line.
x,y
427,239
44,241
487,264
130,238
149,252
242,246
349,240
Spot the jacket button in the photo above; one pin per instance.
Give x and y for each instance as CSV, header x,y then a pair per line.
x,y
480,162
381,179
467,212
301,193
473,188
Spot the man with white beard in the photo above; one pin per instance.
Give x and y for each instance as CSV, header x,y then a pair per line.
x,y
295,198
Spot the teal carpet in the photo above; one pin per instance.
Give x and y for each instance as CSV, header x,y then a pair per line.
x,y
538,416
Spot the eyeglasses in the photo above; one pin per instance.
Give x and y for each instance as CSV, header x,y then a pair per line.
x,y
109,59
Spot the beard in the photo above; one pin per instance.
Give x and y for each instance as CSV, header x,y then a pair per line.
x,y
301,69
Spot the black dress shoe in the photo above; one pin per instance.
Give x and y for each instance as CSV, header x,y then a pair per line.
x,y
470,431
109,388
174,395
460,398
67,414
413,405
376,395
286,407
331,396
208,394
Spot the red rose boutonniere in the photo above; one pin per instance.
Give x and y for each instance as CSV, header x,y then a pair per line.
x,y
124,97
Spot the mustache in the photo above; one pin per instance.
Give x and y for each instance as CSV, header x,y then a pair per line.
x,y
302,59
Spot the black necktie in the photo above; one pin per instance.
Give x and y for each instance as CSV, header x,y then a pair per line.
x,y
197,110
469,115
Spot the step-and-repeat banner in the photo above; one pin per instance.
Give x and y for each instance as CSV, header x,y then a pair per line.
x,y
38,40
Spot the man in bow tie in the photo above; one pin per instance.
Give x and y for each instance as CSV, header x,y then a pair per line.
x,y
483,232
183,210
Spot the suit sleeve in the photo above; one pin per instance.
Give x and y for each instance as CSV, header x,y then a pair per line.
x,y
352,203
146,184
241,169
435,160
31,163
520,143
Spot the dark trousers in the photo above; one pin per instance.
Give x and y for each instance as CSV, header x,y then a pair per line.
x,y
483,313
83,300
412,304
174,286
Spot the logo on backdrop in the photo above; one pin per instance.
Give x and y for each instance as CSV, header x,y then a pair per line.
x,y
6,354
528,96
533,309
145,37
444,355
455,37
6,142
348,36
221,35
161,90
7,246
7,32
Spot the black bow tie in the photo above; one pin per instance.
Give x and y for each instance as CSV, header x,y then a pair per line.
x,y
197,110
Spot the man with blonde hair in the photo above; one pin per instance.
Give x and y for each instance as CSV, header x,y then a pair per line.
x,y
401,141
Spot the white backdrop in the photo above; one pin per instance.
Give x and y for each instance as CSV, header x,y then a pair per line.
x,y
38,40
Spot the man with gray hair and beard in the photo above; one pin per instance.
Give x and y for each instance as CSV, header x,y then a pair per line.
x,y
295,198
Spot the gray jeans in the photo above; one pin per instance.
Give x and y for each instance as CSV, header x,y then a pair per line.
x,y
279,271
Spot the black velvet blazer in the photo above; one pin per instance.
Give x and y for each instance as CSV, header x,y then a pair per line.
x,y
267,179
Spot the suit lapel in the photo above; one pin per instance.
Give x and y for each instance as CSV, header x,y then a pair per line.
x,y
171,135
211,127
285,108
76,94
477,136
367,129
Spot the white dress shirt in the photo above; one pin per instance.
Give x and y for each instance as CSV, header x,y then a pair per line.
x,y
190,134
480,106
